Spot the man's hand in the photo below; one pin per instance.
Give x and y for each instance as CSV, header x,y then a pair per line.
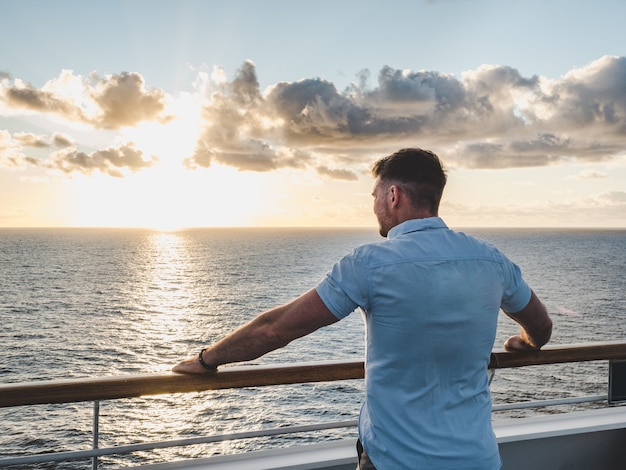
x,y
516,343
190,366
536,327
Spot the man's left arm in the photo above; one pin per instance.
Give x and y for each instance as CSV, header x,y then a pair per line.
x,y
269,331
535,326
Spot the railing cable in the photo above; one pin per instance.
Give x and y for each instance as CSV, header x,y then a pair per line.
x,y
126,449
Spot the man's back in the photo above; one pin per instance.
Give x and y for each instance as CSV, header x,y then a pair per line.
x,y
431,299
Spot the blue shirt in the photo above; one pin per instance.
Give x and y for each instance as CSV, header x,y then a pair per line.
x,y
430,298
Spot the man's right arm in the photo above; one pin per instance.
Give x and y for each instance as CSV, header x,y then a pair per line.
x,y
535,326
269,331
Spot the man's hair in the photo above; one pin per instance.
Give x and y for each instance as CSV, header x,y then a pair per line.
x,y
418,172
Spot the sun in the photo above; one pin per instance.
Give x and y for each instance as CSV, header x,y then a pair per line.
x,y
169,198
166,196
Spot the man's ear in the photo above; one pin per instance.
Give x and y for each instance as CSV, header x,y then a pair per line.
x,y
393,195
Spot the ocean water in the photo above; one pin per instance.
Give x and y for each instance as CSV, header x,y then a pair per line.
x,y
109,302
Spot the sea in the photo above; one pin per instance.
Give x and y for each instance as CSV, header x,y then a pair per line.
x,y
78,303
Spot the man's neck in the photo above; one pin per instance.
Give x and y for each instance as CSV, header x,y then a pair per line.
x,y
411,214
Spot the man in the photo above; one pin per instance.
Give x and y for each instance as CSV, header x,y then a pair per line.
x,y
430,298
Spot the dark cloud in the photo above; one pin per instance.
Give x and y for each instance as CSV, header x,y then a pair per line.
x,y
492,117
399,86
312,110
315,113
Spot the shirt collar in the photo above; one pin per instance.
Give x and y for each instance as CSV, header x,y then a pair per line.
x,y
416,225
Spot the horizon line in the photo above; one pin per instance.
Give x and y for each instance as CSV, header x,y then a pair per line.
x,y
299,227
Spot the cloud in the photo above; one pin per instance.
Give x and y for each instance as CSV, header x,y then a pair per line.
x,y
61,140
281,128
12,148
68,159
594,96
124,101
24,96
109,161
28,139
11,155
589,175
238,132
113,102
339,174
492,117
314,112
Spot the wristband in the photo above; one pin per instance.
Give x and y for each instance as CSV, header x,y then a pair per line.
x,y
204,364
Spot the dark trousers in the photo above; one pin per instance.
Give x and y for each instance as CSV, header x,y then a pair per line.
x,y
364,461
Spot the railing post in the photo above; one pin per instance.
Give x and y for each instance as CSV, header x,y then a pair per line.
x,y
617,382
96,419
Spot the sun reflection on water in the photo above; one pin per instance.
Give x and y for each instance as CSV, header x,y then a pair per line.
x,y
166,291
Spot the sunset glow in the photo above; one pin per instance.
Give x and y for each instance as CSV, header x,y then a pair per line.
x,y
188,117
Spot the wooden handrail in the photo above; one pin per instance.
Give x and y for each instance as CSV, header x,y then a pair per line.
x,y
109,388
555,354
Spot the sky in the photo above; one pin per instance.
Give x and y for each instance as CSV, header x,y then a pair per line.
x,y
173,114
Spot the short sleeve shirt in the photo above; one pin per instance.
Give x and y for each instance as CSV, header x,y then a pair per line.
x,y
430,298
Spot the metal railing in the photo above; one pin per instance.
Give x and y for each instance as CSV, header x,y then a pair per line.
x,y
111,388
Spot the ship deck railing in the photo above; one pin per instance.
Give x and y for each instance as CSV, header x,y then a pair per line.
x,y
112,388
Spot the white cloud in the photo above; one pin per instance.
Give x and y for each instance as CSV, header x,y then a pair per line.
x,y
589,175
110,161
111,102
492,117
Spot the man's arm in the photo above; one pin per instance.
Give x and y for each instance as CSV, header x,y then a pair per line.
x,y
271,330
535,326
